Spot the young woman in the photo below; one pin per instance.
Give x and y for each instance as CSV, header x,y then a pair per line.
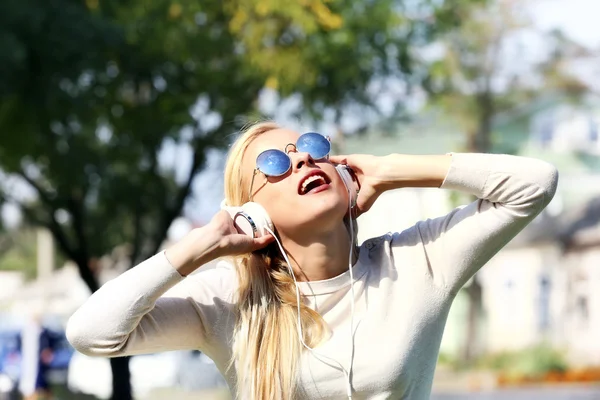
x,y
375,327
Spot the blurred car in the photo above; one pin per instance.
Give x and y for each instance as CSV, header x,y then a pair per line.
x,y
61,359
10,361
197,372
190,370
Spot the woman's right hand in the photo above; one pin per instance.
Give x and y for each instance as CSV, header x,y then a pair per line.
x,y
219,238
231,241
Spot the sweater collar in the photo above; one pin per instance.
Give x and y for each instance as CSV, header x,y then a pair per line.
x,y
331,285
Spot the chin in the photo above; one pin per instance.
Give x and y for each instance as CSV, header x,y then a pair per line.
x,y
318,213
325,213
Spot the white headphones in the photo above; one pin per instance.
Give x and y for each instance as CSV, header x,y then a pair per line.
x,y
252,219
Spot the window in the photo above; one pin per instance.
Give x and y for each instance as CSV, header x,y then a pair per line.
x,y
593,133
582,310
544,304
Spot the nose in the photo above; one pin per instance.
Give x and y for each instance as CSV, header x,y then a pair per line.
x,y
301,159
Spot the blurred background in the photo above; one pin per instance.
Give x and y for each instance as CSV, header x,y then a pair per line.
x,y
115,117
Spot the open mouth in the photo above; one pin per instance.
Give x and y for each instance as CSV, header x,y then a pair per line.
x,y
313,182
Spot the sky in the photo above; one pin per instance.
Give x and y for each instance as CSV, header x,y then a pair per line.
x,y
577,18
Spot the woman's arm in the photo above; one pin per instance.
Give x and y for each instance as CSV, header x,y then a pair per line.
x,y
138,313
375,175
399,170
152,308
511,190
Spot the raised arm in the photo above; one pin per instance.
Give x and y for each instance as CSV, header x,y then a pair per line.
x,y
511,190
153,307
136,312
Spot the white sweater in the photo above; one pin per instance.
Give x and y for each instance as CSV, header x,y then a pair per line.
x,y
404,285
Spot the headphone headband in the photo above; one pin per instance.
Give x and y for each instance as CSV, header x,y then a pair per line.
x,y
344,172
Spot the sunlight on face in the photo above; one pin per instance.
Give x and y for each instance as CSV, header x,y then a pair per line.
x,y
290,210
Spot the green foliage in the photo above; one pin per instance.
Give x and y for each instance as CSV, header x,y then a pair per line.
x,y
17,261
446,359
90,92
18,252
476,79
532,362
91,95
328,51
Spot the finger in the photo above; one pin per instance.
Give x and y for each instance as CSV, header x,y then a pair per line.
x,y
223,215
365,199
262,241
339,159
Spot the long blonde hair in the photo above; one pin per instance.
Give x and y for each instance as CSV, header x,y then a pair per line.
x,y
266,348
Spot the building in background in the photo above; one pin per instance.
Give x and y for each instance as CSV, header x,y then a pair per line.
x,y
56,294
544,287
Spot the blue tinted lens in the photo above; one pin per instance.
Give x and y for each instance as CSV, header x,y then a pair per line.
x,y
273,162
314,144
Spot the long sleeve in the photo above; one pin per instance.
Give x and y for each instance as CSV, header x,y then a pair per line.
x,y
511,190
151,308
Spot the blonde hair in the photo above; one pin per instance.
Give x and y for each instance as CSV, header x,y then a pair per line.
x,y
266,349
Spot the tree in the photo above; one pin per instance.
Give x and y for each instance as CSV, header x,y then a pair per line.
x,y
91,92
485,69
18,252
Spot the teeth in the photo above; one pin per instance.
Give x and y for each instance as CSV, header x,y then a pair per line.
x,y
310,179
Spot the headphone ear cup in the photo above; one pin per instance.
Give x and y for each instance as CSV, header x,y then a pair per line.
x,y
250,218
348,182
260,218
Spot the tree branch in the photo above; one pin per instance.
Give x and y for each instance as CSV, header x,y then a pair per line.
x,y
60,237
172,212
41,192
137,235
52,224
75,208
78,255
6,243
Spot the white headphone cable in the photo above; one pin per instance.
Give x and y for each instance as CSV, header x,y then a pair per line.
x,y
348,372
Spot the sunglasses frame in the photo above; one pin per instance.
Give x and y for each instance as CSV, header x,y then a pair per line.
x,y
285,151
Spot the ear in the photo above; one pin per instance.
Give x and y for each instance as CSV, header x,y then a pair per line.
x,y
250,218
260,218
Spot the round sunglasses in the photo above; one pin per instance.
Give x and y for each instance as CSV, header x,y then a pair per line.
x,y
275,162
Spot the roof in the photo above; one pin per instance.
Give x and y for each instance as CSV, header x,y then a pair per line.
x,y
573,230
581,229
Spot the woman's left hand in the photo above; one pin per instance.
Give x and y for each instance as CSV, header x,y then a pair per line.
x,y
377,174
366,169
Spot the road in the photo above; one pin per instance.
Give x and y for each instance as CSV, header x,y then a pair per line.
x,y
549,393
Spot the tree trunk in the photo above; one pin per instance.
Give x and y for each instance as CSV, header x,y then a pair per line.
x,y
121,384
479,142
121,378
471,346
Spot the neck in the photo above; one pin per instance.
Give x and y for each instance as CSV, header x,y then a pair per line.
x,y
321,256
